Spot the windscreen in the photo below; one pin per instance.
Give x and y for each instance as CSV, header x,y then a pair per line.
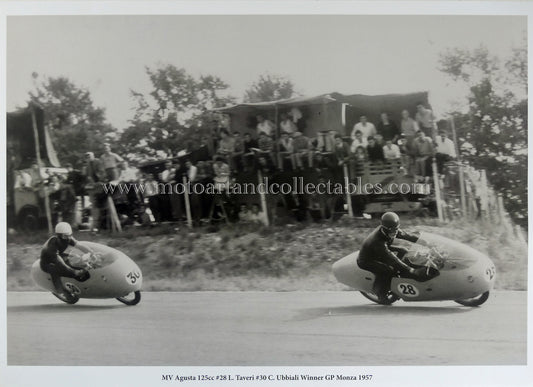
x,y
103,256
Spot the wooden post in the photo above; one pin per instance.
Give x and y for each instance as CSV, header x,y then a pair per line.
x,y
187,202
262,195
40,164
461,172
112,212
484,194
348,196
436,185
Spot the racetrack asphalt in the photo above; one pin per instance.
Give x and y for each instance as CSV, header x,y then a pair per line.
x,y
264,329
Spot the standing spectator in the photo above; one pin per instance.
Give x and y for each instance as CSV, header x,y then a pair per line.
x,y
426,120
167,177
177,198
358,141
409,129
37,176
391,151
265,126
226,145
445,150
286,124
249,145
94,175
423,154
388,129
110,163
366,128
374,151
222,174
151,192
127,173
238,151
22,180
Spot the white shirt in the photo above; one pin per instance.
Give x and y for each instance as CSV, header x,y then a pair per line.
x,y
167,176
368,129
191,173
22,180
391,153
445,147
288,126
129,174
266,126
356,143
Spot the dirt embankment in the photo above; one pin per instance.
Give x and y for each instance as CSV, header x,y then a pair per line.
x,y
251,257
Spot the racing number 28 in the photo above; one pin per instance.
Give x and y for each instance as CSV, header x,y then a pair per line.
x,y
408,289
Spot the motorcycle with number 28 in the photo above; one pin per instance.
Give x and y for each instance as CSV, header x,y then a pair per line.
x,y
454,271
112,274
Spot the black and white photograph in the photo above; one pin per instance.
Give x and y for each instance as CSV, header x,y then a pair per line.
x,y
284,195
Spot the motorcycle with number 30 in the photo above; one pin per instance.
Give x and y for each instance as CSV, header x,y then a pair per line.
x,y
111,274
453,271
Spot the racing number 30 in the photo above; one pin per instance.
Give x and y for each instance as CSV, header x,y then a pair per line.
x,y
133,276
408,290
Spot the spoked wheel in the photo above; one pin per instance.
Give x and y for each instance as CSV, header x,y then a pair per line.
x,y
69,300
474,301
389,300
129,300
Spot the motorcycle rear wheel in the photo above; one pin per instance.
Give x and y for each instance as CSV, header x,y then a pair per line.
x,y
70,301
389,300
474,301
131,301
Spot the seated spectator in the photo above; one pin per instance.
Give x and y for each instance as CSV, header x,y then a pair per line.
x,y
287,125
365,127
110,163
357,162
358,141
265,164
222,174
37,177
388,129
391,151
207,148
302,150
265,147
423,154
426,120
286,149
258,216
445,150
379,140
265,126
374,151
341,150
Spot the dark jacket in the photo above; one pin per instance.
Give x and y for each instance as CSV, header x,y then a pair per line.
x,y
376,247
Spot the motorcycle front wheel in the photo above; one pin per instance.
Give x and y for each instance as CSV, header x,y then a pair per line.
x,y
389,300
474,301
131,301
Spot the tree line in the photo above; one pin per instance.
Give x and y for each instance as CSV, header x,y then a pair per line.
x,y
491,131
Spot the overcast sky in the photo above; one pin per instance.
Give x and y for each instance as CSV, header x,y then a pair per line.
x,y
319,54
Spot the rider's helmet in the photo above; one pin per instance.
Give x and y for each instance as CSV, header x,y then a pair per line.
x,y
63,229
390,223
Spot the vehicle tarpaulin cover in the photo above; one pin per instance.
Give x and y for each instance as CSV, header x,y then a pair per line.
x,y
21,137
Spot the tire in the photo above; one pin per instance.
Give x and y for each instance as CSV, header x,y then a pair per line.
x,y
70,301
131,301
391,298
474,301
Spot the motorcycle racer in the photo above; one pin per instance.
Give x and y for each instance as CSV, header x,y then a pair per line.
x,y
379,256
55,262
